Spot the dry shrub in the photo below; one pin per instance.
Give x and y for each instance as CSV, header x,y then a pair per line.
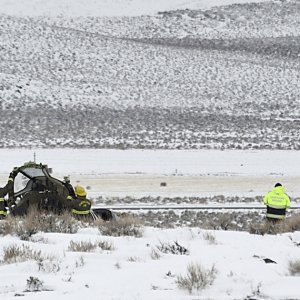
x,y
267,228
174,248
155,254
88,246
106,245
210,238
293,223
133,259
209,225
40,221
66,223
8,225
294,267
81,246
197,277
286,225
225,221
29,224
34,284
221,221
128,226
14,253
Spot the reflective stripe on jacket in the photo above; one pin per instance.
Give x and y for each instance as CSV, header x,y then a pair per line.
x,y
79,206
2,207
277,202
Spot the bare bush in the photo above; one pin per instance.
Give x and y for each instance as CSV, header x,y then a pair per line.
x,y
209,237
197,277
133,259
255,228
174,248
34,284
294,267
48,266
106,245
36,221
88,246
8,225
127,226
81,246
80,263
225,221
14,254
66,223
286,225
293,223
155,254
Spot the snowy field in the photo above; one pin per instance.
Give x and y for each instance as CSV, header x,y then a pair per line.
x,y
136,268
187,173
180,77
130,273
121,74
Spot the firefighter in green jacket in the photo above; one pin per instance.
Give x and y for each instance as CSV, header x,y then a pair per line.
x,y
79,205
3,192
277,202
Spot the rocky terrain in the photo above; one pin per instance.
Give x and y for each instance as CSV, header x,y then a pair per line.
x,y
224,78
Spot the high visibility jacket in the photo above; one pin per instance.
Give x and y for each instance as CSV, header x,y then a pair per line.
x,y
79,205
3,191
277,202
2,207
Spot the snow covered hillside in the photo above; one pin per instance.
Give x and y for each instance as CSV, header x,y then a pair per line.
x,y
182,76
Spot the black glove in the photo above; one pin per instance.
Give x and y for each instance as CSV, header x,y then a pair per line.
x,y
13,174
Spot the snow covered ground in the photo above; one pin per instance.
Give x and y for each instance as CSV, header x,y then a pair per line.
x,y
38,69
129,272
139,173
222,78
163,162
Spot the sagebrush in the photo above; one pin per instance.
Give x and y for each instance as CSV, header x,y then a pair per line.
x,y
286,225
197,277
88,246
294,267
175,248
128,226
14,254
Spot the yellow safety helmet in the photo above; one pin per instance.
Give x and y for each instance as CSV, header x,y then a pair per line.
x,y
80,191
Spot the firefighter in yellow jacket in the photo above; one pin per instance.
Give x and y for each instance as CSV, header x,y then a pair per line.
x,y
3,192
79,205
277,202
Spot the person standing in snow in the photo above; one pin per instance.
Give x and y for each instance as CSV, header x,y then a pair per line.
x,y
277,202
79,205
3,192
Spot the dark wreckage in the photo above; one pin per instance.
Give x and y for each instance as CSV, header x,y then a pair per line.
x,y
32,185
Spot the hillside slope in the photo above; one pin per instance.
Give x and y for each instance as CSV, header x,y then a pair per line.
x,y
227,77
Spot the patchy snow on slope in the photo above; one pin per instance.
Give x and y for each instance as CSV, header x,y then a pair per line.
x,y
75,8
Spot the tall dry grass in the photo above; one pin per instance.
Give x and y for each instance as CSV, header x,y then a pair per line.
x,y
127,226
39,221
286,225
197,277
